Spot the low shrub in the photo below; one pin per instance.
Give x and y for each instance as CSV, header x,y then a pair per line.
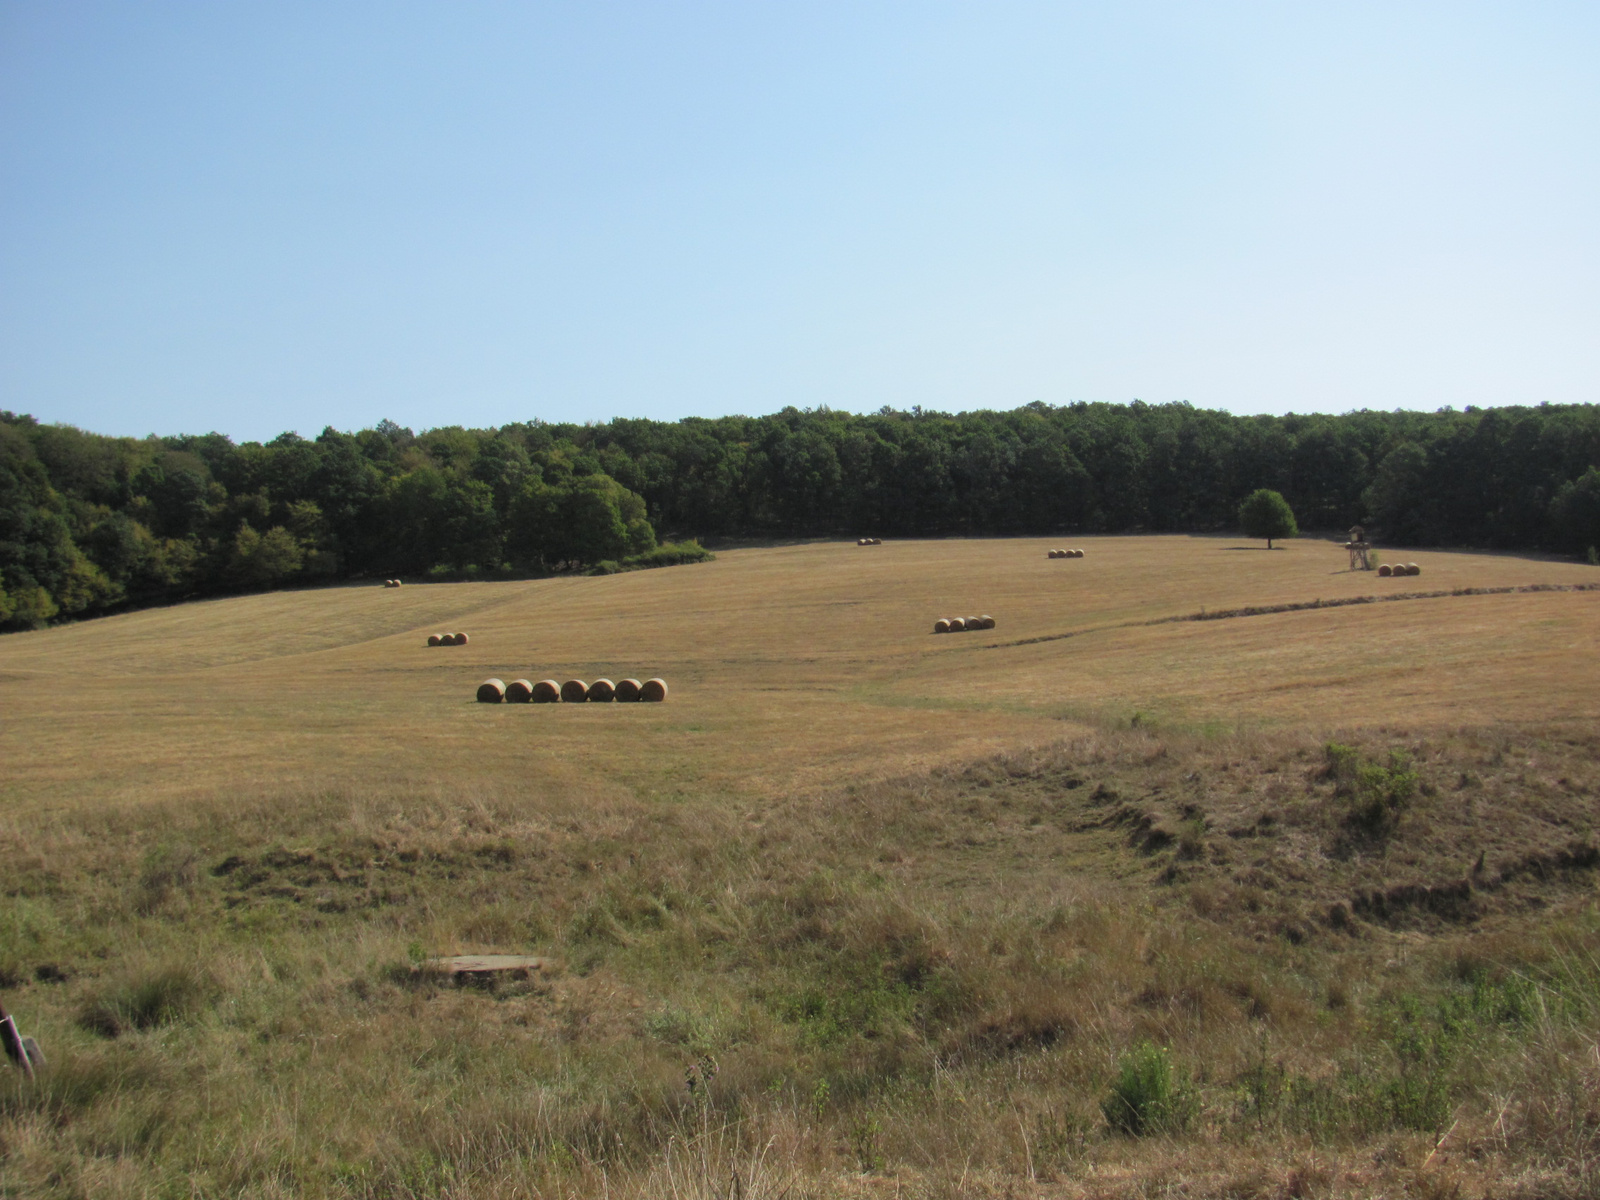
x,y
1148,1097
1378,794
668,554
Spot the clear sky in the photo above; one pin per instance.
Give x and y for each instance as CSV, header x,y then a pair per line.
x,y
275,214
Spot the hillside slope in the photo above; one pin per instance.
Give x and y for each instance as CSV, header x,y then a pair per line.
x,y
860,910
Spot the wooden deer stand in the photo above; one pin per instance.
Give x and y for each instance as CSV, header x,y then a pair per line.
x,y
1358,547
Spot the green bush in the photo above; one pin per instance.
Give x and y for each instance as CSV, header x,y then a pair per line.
x,y
1378,794
1147,1097
1383,793
668,554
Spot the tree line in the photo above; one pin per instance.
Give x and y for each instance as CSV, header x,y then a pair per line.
x,y
89,523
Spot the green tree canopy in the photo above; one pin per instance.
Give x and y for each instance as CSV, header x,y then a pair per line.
x,y
89,523
1575,512
1266,514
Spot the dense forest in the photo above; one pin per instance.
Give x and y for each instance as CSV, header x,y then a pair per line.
x,y
91,523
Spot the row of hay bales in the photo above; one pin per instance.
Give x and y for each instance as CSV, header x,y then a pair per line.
x,y
869,541
962,624
573,691
447,639
391,583
1065,554
1399,569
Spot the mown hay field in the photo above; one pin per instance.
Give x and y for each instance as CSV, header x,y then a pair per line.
x,y
859,910
787,665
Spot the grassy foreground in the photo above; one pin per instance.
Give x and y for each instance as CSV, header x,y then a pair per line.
x,y
1292,904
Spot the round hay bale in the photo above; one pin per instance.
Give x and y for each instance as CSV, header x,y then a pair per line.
x,y
958,624
1053,554
1385,570
519,691
546,691
653,690
988,621
941,626
602,691
433,639
627,690
877,541
461,639
491,691
1413,569
574,691
974,622
862,542
1077,554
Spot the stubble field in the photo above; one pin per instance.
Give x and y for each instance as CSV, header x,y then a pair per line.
x,y
861,909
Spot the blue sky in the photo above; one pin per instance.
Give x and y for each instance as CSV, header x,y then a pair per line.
x,y
253,217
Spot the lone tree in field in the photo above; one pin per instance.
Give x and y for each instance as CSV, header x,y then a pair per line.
x,y
1266,514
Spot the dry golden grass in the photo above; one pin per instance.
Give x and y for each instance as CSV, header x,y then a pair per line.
x,y
858,911
770,686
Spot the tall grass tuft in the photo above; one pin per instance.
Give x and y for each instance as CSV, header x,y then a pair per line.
x,y
161,996
1148,1097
